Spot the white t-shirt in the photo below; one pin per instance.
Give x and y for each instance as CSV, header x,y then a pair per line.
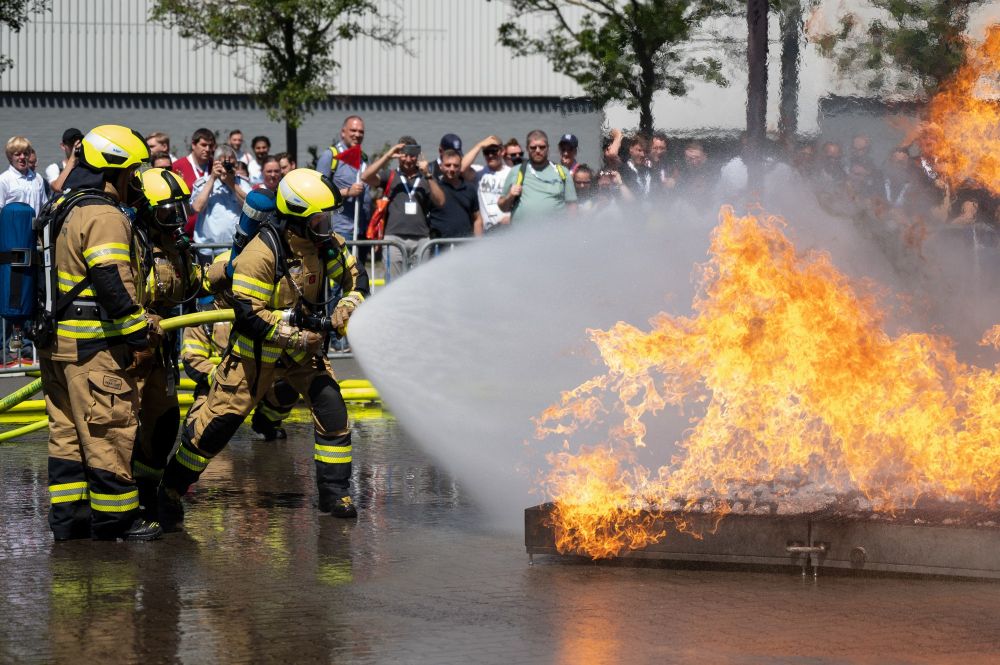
x,y
489,185
256,171
17,188
53,170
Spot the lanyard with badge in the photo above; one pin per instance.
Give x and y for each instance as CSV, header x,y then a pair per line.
x,y
410,206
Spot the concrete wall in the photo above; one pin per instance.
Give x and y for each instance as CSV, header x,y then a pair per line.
x,y
42,117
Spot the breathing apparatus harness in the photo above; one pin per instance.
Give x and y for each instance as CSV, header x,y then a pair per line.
x,y
47,226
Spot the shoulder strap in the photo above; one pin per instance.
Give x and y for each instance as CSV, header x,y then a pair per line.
x,y
65,299
388,184
561,171
276,243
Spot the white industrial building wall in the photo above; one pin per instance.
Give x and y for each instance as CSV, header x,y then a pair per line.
x,y
109,46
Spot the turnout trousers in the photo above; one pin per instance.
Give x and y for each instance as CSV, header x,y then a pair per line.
x,y
93,407
159,419
236,390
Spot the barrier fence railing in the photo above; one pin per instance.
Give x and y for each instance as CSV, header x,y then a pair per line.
x,y
430,248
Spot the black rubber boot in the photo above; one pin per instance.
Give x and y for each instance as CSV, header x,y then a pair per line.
x,y
267,430
338,507
170,510
143,530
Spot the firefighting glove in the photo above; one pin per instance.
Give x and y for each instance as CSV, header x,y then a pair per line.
x,y
342,312
295,339
142,363
284,333
308,341
154,333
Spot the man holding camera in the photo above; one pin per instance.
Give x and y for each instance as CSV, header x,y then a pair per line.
x,y
217,199
412,192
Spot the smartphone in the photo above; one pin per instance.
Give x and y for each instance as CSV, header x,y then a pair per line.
x,y
411,150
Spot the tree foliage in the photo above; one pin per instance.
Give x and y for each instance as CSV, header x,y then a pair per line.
x,y
911,48
14,14
292,40
618,50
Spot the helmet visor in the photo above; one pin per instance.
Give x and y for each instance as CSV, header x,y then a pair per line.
x,y
319,227
171,215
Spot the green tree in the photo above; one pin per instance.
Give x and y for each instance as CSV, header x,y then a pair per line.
x,y
292,41
912,47
618,50
14,14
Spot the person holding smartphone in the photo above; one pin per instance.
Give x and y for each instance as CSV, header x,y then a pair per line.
x,y
217,198
490,181
411,191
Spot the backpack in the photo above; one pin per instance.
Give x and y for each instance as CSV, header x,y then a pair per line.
x,y
376,225
520,178
524,167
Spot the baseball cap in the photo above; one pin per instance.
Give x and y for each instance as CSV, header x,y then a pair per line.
x,y
71,136
451,142
569,139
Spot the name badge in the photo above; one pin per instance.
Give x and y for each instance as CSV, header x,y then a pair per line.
x,y
410,208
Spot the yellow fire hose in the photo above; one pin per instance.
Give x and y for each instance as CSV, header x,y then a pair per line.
x,y
27,429
20,395
353,390
197,318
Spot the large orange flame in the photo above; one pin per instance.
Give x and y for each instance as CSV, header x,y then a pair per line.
x,y
963,135
800,396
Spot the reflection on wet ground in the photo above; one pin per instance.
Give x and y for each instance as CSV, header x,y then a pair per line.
x,y
260,576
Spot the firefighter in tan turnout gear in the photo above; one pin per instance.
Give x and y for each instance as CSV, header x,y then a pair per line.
x,y
172,279
280,332
94,346
202,344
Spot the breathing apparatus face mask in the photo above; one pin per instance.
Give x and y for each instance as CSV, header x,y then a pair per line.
x,y
316,228
171,216
319,225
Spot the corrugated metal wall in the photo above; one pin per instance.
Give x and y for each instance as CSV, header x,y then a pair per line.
x,y
108,46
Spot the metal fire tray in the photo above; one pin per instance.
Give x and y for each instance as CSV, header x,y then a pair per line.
x,y
964,545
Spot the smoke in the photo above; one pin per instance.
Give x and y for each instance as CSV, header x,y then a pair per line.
x,y
469,348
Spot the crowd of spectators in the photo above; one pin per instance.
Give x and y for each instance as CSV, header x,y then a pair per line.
x,y
496,183
896,198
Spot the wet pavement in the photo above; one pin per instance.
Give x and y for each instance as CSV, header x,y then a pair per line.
x,y
259,576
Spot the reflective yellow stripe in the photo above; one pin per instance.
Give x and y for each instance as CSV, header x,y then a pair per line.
x,y
252,287
115,503
332,454
191,459
196,342
130,324
243,347
272,414
66,492
332,460
141,470
106,253
200,351
68,281
333,449
78,329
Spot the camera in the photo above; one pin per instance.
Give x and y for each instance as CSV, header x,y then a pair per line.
x,y
411,150
229,166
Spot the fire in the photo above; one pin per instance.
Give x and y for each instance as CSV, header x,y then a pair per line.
x,y
797,392
968,107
